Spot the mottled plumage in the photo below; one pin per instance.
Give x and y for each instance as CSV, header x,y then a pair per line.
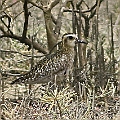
x,y
53,64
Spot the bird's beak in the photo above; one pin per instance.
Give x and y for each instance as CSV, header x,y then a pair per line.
x,y
81,41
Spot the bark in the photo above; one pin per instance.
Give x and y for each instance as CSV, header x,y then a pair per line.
x,y
51,39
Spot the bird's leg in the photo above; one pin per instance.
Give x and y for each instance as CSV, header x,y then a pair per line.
x,y
69,76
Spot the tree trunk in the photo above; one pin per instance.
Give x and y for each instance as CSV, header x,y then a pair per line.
x,y
49,29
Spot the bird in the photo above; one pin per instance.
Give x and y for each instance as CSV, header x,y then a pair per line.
x,y
58,63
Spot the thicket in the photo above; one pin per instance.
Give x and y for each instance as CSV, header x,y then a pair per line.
x,y
28,31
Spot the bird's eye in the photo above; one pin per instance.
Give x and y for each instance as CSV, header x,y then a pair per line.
x,y
70,37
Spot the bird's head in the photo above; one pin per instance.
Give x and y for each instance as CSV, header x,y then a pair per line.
x,y
69,40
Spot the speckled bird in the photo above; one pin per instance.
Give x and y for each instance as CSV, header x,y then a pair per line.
x,y
53,64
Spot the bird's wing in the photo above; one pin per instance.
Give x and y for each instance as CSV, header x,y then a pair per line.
x,y
44,69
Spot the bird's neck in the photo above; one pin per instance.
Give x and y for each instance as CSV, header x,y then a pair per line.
x,y
69,52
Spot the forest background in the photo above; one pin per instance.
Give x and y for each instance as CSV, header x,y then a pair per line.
x,y
29,29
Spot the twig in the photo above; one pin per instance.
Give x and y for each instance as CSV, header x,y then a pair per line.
x,y
9,21
26,15
9,6
11,51
54,3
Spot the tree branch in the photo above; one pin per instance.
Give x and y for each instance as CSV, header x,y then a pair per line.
x,y
34,4
26,41
26,15
98,3
9,21
8,6
11,51
79,3
54,3
59,22
54,19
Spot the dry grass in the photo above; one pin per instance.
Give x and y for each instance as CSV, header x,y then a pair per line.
x,y
46,103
